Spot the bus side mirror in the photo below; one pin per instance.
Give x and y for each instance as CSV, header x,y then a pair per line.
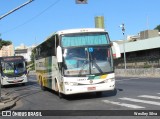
x,y
116,50
59,54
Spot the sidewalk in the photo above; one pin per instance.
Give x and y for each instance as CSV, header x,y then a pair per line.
x,y
7,101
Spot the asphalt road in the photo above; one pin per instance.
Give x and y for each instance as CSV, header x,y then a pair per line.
x,y
132,94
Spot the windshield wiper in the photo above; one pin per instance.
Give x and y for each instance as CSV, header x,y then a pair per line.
x,y
96,65
93,61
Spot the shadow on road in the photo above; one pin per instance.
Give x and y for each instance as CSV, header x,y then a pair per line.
x,y
83,96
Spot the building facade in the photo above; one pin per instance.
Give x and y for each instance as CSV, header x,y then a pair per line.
x,y
7,51
24,51
142,51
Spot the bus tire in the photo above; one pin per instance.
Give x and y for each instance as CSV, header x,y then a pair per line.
x,y
99,94
2,86
42,87
114,92
57,90
23,84
60,95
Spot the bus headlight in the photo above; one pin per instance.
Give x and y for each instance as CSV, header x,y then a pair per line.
x,y
109,80
5,78
71,83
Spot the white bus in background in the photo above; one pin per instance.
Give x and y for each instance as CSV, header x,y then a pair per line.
x,y
13,70
76,61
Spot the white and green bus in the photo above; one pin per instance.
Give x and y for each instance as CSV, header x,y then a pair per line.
x,y
13,70
76,61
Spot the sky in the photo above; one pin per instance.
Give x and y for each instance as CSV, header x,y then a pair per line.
x,y
33,23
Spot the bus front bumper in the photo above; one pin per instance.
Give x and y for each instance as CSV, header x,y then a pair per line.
x,y
8,81
88,88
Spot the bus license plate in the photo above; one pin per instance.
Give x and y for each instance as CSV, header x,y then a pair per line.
x,y
91,88
15,81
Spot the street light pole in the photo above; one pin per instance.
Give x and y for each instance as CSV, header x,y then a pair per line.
x,y
123,32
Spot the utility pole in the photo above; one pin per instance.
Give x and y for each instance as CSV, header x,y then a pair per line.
x,y
15,9
1,17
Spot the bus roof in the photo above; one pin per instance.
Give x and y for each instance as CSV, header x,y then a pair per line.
x,y
82,30
11,58
78,30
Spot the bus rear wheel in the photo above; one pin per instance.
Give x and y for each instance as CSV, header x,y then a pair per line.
x,y
42,87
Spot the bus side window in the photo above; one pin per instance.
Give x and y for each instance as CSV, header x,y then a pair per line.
x,y
37,52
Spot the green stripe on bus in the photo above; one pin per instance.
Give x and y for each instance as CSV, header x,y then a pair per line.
x,y
49,71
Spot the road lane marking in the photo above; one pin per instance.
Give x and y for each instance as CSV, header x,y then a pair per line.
x,y
123,79
150,96
142,101
123,104
127,79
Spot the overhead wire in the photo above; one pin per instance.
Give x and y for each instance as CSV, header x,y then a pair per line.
x,y
31,19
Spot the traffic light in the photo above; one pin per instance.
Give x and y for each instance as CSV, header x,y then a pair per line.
x,y
81,1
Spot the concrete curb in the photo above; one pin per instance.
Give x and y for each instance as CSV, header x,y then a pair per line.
x,y
7,106
8,102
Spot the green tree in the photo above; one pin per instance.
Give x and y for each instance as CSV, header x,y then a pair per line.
x,y
4,43
32,57
157,28
32,60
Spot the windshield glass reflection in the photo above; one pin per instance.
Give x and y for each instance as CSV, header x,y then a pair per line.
x,y
87,60
13,68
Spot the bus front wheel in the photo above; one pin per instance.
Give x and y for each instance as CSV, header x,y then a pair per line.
x,y
99,94
2,86
57,90
23,84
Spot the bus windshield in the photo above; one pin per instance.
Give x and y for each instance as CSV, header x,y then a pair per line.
x,y
13,68
87,60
